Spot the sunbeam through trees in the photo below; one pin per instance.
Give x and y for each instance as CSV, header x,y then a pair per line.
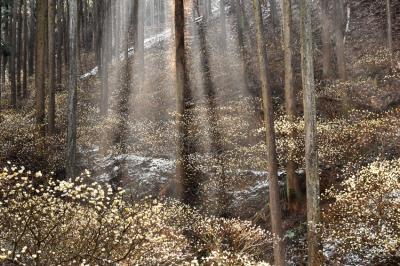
x,y
199,132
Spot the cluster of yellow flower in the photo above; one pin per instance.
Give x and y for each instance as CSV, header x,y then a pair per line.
x,y
362,134
363,223
376,58
70,222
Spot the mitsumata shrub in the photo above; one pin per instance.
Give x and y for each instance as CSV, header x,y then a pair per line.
x,y
362,225
44,221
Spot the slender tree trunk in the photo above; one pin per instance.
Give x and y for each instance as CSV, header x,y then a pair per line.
x,y
135,25
242,28
59,43
124,96
51,107
105,60
223,24
113,27
6,35
40,64
95,27
187,184
274,14
72,89
208,8
12,66
326,40
140,40
274,202
79,33
294,193
66,32
110,30
32,40
310,121
46,43
25,52
151,7
389,29
98,37
117,29
1,54
240,20
180,79
339,39
19,50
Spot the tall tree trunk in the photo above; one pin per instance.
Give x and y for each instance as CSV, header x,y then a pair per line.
x,y
208,8
124,97
72,89
32,39
310,121
19,50
241,26
110,30
1,54
99,34
223,24
274,202
6,35
274,14
151,7
135,25
339,39
117,29
140,40
105,54
51,107
79,33
25,52
66,32
180,79
60,43
12,66
294,193
46,43
389,29
326,40
40,64
187,184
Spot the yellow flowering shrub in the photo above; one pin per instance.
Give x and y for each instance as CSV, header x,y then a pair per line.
x,y
361,135
362,224
21,142
72,222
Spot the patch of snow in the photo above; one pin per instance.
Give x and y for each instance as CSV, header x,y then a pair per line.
x,y
329,250
161,164
92,72
148,43
347,23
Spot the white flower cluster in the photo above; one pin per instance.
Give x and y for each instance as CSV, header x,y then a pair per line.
x,y
364,220
72,222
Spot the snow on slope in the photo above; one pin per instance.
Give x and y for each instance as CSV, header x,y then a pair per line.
x,y
156,39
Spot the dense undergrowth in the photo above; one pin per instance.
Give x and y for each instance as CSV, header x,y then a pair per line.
x,y
362,225
47,221
44,221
